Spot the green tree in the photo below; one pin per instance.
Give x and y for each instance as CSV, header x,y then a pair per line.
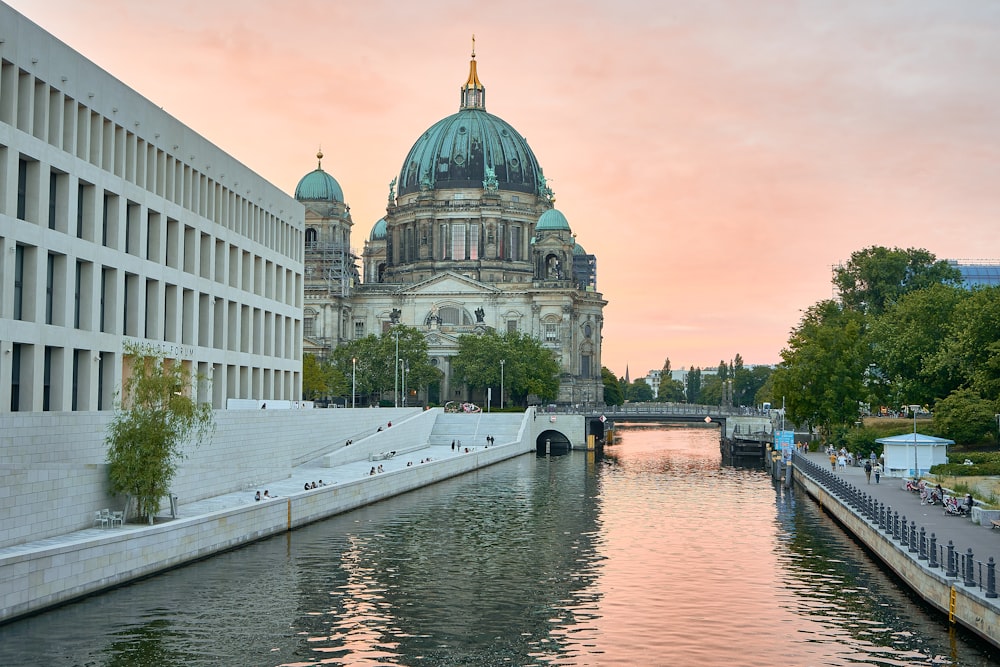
x,y
612,390
822,369
321,378
372,362
694,385
906,342
528,367
671,391
876,277
154,418
970,353
965,416
640,391
711,389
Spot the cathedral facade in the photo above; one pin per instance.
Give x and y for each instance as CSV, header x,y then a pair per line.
x,y
471,241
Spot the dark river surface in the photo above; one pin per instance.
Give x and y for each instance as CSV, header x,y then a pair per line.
x,y
657,555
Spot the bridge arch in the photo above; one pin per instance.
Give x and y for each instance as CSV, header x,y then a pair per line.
x,y
551,440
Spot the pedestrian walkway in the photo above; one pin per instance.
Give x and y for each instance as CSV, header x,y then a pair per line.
x,y
983,540
282,488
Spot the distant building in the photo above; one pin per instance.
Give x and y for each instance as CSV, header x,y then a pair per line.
x,y
978,273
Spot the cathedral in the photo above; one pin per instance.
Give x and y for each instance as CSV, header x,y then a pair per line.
x,y
471,241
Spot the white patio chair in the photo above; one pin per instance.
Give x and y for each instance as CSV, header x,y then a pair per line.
x,y
117,517
102,517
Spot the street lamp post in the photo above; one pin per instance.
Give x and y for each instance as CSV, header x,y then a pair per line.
x,y
402,374
501,383
354,379
395,372
913,409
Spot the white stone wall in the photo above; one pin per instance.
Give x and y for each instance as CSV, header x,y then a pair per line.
x,y
53,473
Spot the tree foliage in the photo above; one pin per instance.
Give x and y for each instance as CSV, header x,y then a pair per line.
x,y
370,363
694,385
154,418
876,277
822,368
965,417
906,340
321,378
640,391
970,353
529,368
612,390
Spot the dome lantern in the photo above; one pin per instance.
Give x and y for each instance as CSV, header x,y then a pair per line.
x,y
473,92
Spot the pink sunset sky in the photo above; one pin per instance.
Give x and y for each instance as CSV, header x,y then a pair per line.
x,y
717,157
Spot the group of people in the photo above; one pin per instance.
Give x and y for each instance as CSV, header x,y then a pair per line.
x,y
258,497
839,460
313,485
375,470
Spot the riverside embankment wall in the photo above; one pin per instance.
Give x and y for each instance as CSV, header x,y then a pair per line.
x,y
45,576
970,608
53,473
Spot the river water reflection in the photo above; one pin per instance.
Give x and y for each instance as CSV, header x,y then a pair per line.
x,y
656,556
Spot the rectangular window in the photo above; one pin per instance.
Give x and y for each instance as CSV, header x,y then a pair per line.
x,y
443,242
550,333
585,366
309,326
15,377
458,241
359,329
22,189
47,379
474,242
78,357
515,243
77,286
50,279
18,282
512,326
53,190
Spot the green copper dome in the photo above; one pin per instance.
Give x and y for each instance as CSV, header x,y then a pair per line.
x,y
578,250
552,220
472,149
378,231
318,185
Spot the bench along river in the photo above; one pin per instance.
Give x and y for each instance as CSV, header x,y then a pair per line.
x,y
655,556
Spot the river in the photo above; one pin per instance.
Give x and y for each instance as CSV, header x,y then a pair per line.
x,y
656,555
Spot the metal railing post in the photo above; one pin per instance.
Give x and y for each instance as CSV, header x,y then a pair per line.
x,y
922,555
933,562
952,570
991,578
913,538
970,571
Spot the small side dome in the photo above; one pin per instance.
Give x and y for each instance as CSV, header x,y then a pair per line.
x,y
552,220
318,185
378,231
578,250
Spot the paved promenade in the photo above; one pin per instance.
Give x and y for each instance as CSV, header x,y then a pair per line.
x,y
290,486
983,540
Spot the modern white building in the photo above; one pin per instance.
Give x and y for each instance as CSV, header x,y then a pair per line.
x,y
119,224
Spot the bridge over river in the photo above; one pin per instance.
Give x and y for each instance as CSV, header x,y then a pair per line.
x,y
744,432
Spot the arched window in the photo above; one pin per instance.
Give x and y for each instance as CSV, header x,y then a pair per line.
x,y
310,236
